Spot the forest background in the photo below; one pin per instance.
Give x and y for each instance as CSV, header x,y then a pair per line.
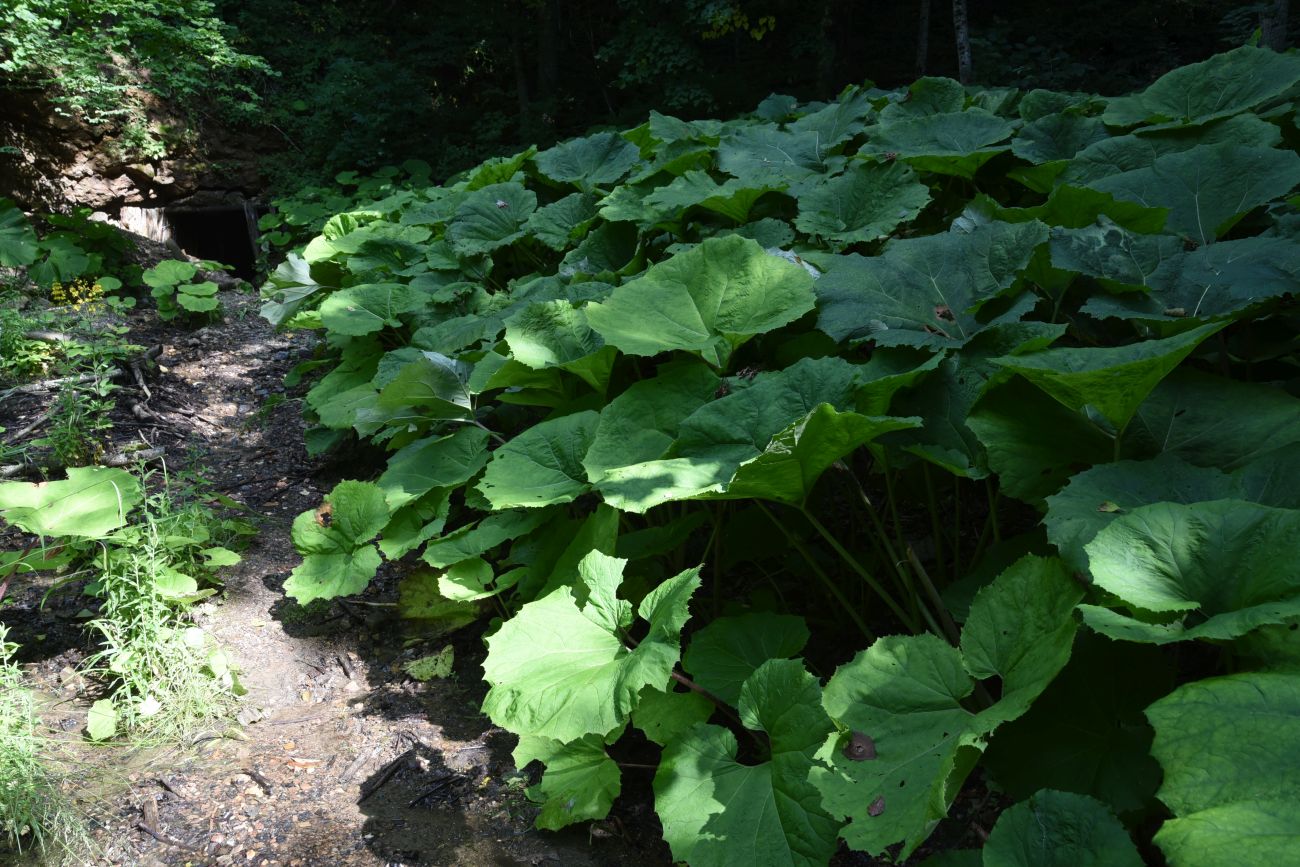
x,y
335,85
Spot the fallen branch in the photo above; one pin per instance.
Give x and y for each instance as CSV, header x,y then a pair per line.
x,y
126,459
49,337
18,435
51,384
163,838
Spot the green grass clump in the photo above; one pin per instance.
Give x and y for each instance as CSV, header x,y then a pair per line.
x,y
35,817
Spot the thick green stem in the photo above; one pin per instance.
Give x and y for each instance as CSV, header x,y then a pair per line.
x,y
949,626
866,576
902,576
830,584
936,525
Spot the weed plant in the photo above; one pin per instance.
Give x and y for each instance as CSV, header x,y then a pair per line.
x,y
168,678
35,818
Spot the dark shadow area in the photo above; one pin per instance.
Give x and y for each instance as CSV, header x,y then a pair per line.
x,y
224,233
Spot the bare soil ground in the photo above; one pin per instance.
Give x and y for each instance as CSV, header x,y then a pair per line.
x,y
336,757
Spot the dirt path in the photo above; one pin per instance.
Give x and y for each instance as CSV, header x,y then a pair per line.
x,y
337,758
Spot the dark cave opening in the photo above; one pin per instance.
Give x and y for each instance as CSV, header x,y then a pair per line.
x,y
226,233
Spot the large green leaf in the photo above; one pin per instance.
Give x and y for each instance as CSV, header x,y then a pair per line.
x,y
904,694
1228,748
1200,418
1227,83
1057,137
721,435
1095,497
763,155
559,224
591,162
664,716
951,143
369,308
795,458
733,198
1208,188
1059,829
1113,380
334,541
490,218
1118,255
1021,629
550,334
943,400
1086,732
641,423
1113,156
561,670
580,783
725,653
1035,443
476,539
837,122
925,291
433,462
867,202
1215,564
1228,739
89,504
541,466
18,243
709,299
717,811
433,383
1217,279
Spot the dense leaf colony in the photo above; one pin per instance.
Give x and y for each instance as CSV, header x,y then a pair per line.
x,y
754,343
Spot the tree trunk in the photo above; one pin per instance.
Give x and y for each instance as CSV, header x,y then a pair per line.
x,y
826,57
521,82
923,39
1273,24
548,56
961,29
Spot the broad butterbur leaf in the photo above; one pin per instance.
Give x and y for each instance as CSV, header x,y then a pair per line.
x,y
580,783
1228,746
433,462
1199,417
665,715
1215,564
1086,732
18,242
951,143
101,720
1208,188
335,541
725,653
541,466
89,504
717,811
1059,829
709,299
369,308
906,692
594,161
925,291
732,199
1227,83
490,218
562,671
867,202
1114,380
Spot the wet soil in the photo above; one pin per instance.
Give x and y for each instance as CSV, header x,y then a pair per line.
x,y
336,756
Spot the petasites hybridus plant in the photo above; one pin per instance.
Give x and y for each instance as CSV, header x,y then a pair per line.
x,y
745,430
